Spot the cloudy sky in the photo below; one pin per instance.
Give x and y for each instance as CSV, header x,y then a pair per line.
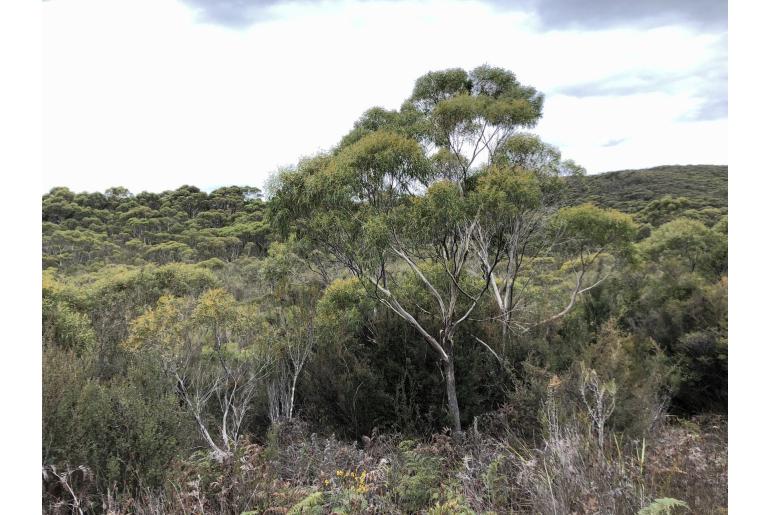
x,y
153,94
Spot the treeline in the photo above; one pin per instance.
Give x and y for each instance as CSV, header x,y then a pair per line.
x,y
189,225
184,225
658,195
398,329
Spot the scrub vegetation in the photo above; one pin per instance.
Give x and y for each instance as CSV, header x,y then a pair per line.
x,y
438,315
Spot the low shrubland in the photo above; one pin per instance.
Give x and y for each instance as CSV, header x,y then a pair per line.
x,y
577,461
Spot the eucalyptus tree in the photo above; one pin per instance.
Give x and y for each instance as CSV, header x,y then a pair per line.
x,y
291,323
207,345
295,337
424,198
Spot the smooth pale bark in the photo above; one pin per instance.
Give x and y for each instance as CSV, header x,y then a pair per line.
x,y
451,393
283,388
234,401
218,453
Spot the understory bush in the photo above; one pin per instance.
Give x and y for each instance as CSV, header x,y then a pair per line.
x,y
570,471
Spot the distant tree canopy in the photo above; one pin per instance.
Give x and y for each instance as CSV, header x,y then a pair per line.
x,y
184,225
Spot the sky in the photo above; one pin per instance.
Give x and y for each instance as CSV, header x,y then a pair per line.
x,y
154,94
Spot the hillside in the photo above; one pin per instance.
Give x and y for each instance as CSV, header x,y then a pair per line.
x,y
632,190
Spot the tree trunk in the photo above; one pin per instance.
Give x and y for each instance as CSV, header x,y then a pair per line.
x,y
293,390
451,393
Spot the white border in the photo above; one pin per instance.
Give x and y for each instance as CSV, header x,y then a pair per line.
x,y
20,169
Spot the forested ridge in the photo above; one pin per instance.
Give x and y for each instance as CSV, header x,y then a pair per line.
x,y
438,315
703,186
190,225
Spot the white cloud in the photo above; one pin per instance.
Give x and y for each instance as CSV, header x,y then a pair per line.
x,y
143,95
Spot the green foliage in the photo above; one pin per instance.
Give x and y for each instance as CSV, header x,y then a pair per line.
x,y
641,372
438,212
65,327
418,479
506,193
313,504
663,506
215,308
685,313
343,309
460,97
689,241
433,87
591,227
721,226
666,209
454,505
127,429
160,327
407,122
212,264
529,152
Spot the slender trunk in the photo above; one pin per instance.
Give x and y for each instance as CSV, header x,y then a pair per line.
x,y
293,389
218,453
451,393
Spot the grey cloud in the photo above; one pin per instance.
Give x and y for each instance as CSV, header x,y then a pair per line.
x,y
613,142
621,85
552,14
710,109
707,84
233,13
712,94
599,14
